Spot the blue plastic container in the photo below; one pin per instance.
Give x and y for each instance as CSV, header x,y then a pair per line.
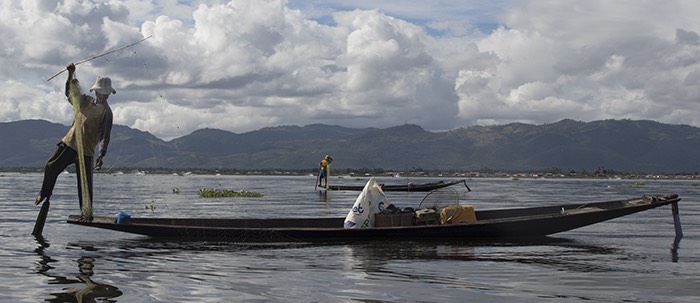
x,y
123,218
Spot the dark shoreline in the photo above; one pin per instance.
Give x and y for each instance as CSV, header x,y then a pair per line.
x,y
549,174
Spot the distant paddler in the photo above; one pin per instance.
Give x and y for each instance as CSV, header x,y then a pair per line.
x,y
323,174
92,122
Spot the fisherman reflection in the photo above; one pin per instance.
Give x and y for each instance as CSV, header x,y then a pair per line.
x,y
92,292
324,198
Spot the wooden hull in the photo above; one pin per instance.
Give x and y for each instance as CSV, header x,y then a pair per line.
x,y
423,187
504,223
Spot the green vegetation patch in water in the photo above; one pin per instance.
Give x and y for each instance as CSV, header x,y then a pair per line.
x,y
227,193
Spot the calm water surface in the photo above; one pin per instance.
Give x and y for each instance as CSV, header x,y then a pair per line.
x,y
630,259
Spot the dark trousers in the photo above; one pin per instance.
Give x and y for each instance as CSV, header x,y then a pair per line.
x,y
322,175
62,157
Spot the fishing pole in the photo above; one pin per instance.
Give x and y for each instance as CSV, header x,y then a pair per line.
x,y
101,55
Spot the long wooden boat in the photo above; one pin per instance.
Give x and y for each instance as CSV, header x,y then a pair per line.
x,y
499,223
409,187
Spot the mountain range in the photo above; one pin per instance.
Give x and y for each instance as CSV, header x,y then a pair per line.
x,y
621,145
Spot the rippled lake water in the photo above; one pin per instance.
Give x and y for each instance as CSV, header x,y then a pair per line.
x,y
630,259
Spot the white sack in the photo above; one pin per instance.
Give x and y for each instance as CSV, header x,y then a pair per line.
x,y
371,201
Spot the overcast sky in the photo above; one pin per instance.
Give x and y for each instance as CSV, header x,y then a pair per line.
x,y
247,64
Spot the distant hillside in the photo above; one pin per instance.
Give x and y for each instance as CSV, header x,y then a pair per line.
x,y
622,145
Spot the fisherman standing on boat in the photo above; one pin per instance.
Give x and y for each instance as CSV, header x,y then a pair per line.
x,y
95,121
323,174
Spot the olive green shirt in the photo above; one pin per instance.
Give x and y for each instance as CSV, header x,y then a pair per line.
x,y
95,121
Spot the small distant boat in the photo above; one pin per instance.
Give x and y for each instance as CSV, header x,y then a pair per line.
x,y
515,223
409,187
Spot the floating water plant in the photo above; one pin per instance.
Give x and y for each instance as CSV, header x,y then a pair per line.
x,y
151,207
227,193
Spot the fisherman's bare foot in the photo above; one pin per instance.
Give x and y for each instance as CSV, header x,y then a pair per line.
x,y
85,219
39,199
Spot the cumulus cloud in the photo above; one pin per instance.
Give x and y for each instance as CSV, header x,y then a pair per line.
x,y
243,65
593,60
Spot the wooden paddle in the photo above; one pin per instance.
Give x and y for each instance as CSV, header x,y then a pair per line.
x,y
41,219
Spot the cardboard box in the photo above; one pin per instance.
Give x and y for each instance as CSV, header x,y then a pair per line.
x,y
457,214
389,220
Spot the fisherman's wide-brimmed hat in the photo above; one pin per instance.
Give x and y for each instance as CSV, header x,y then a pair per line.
x,y
103,85
329,158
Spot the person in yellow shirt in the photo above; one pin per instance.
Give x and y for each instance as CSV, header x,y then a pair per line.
x,y
96,125
323,174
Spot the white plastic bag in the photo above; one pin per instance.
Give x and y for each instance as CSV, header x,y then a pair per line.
x,y
371,201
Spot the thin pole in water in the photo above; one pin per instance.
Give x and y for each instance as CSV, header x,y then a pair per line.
x,y
318,180
679,232
677,221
